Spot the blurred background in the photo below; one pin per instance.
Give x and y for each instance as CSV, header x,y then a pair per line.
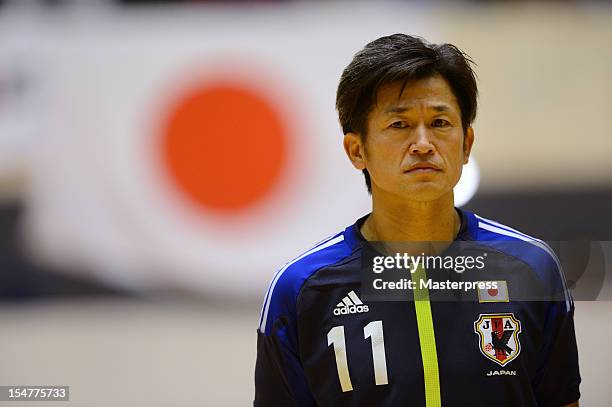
x,y
159,160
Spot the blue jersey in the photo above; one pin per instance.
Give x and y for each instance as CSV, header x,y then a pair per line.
x,y
320,342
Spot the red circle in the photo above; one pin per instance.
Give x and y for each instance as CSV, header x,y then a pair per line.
x,y
225,146
493,292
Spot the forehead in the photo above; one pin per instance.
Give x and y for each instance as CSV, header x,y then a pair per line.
x,y
427,92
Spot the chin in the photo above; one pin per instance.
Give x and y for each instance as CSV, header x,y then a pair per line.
x,y
424,192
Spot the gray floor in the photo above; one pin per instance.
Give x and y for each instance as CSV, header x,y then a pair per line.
x,y
123,353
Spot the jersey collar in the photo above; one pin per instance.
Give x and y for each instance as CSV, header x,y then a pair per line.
x,y
467,231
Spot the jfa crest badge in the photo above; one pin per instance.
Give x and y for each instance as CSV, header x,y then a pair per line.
x,y
498,334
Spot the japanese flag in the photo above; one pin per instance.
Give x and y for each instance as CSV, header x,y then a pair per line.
x,y
198,148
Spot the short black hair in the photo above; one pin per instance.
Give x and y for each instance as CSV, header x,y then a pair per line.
x,y
401,57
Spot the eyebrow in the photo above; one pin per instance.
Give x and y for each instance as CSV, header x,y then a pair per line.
x,y
403,109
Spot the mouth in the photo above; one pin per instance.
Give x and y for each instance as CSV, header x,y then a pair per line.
x,y
423,168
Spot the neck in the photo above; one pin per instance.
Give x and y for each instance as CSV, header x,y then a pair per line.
x,y
401,220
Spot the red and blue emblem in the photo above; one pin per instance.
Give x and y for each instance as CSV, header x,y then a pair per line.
x,y
498,337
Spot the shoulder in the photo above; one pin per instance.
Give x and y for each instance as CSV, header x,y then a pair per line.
x,y
531,250
283,290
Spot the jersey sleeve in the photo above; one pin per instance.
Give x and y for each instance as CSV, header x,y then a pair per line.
x,y
279,375
558,377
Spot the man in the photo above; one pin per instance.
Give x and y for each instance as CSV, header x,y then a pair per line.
x,y
406,109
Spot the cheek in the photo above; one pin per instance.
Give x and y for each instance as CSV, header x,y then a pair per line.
x,y
381,152
454,150
453,157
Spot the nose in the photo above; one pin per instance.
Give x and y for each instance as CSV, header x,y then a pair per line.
x,y
421,145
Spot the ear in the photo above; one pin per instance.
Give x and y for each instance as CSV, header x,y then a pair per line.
x,y
355,150
468,141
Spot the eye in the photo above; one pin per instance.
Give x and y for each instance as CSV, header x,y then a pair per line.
x,y
440,123
399,124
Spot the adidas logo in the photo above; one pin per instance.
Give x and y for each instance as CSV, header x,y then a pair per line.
x,y
351,304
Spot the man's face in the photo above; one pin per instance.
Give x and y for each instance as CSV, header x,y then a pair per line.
x,y
415,145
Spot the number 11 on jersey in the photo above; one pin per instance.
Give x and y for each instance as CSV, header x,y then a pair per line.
x,y
373,330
